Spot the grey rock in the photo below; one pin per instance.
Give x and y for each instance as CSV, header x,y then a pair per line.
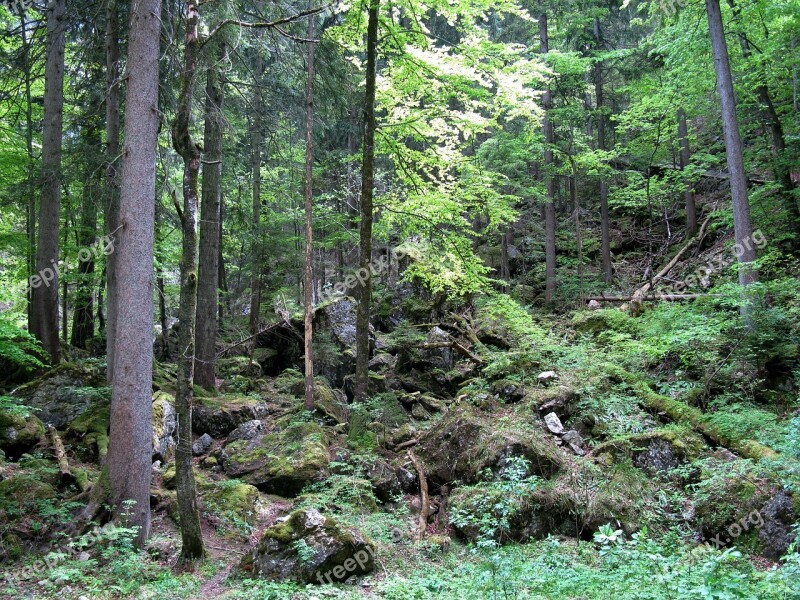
x,y
246,431
202,444
659,456
777,532
575,441
547,377
554,423
164,424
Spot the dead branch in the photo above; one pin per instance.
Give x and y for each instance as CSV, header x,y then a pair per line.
x,y
265,24
407,444
455,346
423,496
639,294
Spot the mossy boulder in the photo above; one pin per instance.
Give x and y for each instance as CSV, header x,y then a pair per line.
x,y
219,416
655,451
309,547
573,504
238,366
89,431
281,463
463,444
65,392
725,490
231,503
20,430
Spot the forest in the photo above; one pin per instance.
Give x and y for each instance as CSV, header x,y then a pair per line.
x,y
420,299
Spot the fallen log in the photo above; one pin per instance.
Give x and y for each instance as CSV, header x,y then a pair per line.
x,y
680,412
665,297
61,455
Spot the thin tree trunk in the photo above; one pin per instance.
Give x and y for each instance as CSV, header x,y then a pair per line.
x,y
308,279
44,297
367,189
685,157
30,184
112,177
83,315
770,116
605,226
573,188
549,207
746,253
208,282
191,534
221,276
130,449
258,107
505,268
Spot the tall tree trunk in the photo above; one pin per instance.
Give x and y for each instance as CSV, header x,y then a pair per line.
x,y
685,157
83,315
770,116
210,223
130,448
112,176
258,107
221,276
605,226
44,297
549,207
308,275
746,252
30,184
367,189
191,534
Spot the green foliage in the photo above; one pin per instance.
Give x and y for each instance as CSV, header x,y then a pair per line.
x,y
494,503
20,352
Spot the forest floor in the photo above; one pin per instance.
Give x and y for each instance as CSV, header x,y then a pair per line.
x,y
591,454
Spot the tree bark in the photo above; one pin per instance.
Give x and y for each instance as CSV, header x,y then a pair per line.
x,y
210,223
131,438
30,187
44,297
733,146
685,157
83,315
367,189
308,276
549,207
191,534
605,228
112,176
258,107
